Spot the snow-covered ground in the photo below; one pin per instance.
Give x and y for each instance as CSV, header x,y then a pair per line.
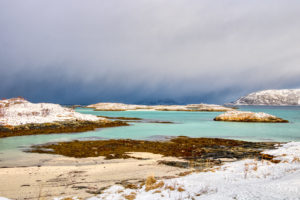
x,y
245,179
18,111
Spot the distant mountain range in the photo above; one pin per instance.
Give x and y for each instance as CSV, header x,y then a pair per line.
x,y
271,97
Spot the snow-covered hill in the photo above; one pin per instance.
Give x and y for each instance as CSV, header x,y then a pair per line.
x,y
271,97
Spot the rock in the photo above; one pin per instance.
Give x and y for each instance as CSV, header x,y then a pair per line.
x,y
271,97
242,116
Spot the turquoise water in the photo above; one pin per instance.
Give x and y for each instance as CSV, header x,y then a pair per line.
x,y
193,124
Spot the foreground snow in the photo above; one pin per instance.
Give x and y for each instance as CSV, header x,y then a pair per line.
x,y
18,111
246,179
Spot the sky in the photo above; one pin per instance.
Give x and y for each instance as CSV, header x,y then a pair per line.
x,y
147,51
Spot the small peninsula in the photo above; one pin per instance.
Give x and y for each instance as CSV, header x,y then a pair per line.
x,y
21,117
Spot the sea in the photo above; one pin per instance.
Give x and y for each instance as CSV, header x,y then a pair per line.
x,y
191,124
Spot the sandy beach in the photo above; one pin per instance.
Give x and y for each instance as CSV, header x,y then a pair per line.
x,y
60,176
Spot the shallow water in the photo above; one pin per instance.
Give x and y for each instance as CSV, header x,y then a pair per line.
x,y
193,124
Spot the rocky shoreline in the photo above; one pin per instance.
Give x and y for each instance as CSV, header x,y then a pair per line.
x,y
57,127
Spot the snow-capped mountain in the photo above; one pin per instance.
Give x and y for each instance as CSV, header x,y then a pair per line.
x,y
271,97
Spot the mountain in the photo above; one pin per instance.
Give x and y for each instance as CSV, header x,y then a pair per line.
x,y
271,97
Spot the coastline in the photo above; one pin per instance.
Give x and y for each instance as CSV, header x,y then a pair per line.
x,y
95,177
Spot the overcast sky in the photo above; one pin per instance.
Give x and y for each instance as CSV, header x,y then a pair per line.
x,y
145,51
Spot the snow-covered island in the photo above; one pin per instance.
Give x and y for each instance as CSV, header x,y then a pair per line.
x,y
189,107
21,117
244,116
287,97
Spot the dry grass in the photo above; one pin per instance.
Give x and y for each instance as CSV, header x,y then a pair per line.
x,y
296,159
160,184
180,189
255,166
152,184
246,170
131,196
131,186
150,181
169,187
185,173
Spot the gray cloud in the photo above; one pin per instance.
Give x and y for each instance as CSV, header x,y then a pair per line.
x,y
73,51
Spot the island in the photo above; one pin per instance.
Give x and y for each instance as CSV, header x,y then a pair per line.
x,y
189,107
245,116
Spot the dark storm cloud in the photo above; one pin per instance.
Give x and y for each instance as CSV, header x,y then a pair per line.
x,y
72,51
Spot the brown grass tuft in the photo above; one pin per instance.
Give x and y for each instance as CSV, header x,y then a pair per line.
x,y
131,196
150,181
180,189
170,188
296,159
185,173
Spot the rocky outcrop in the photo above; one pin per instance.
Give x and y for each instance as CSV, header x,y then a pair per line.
x,y
242,116
189,107
271,97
